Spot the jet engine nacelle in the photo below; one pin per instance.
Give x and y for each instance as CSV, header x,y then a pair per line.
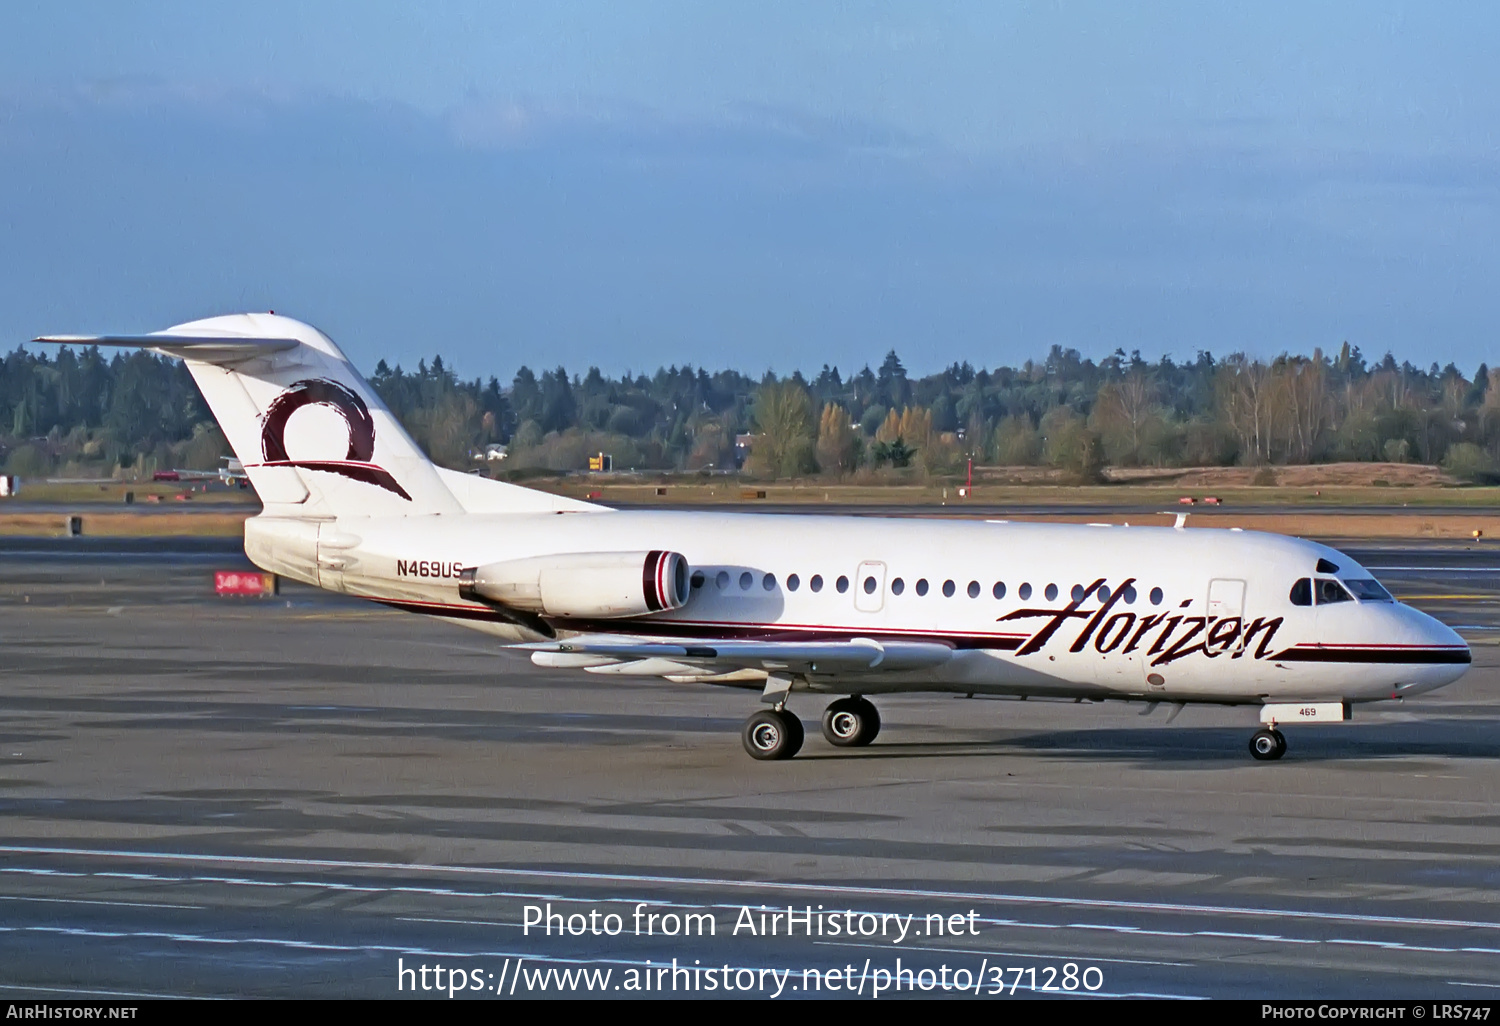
x,y
585,584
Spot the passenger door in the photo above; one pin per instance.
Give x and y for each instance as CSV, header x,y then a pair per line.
x,y
1226,598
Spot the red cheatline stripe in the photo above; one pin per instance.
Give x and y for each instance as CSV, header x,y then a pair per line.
x,y
844,628
1319,644
1393,654
713,629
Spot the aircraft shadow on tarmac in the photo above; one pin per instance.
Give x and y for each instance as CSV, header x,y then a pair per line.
x,y
1206,747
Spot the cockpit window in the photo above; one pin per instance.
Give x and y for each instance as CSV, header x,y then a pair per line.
x,y
1367,589
1331,591
1302,592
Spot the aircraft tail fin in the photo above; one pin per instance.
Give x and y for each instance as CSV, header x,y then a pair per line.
x,y
314,438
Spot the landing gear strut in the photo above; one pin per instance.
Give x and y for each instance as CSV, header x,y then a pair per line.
x,y
772,734
851,722
1267,744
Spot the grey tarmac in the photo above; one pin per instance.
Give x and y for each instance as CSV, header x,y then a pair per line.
x,y
205,796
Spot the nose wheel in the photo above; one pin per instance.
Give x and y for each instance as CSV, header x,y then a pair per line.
x,y
1267,745
772,734
851,722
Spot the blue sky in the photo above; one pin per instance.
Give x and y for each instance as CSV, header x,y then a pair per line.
x,y
758,185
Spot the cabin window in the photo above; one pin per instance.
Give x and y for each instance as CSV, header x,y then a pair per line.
x,y
1024,592
922,586
1331,591
1301,594
1367,589
948,589
769,582
974,589
1051,593
722,579
1156,596
998,590
1103,593
1077,593
793,582
842,584
697,579
897,586
870,585
746,579
816,584
1130,594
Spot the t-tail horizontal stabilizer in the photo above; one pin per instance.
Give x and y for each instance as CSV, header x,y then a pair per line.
x,y
218,351
311,434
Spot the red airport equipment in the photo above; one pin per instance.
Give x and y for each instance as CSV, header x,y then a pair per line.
x,y
243,582
1186,500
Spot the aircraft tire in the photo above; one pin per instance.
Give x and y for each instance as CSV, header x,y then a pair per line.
x,y
851,722
1267,745
772,734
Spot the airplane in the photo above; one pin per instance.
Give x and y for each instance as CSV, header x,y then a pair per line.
x,y
232,472
227,474
793,606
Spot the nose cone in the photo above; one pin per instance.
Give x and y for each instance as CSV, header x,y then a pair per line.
x,y
1440,654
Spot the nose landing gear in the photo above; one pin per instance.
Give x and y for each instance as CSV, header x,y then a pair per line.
x,y
1267,744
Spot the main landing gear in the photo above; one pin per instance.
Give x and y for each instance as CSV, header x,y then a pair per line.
x,y
777,733
1267,744
772,734
851,722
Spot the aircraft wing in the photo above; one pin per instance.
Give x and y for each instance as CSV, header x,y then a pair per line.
x,y
857,655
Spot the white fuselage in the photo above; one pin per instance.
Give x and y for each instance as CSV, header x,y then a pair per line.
x,y
846,605
1199,615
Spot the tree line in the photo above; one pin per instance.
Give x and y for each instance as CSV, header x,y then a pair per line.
x,y
78,412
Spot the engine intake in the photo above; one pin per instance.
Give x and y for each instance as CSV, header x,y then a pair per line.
x,y
584,584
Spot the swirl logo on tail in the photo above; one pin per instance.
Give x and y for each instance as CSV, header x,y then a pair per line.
x,y
356,464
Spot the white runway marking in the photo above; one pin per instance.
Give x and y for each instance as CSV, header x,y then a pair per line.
x,y
763,885
629,900
95,901
1436,569
986,951
386,949
82,992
